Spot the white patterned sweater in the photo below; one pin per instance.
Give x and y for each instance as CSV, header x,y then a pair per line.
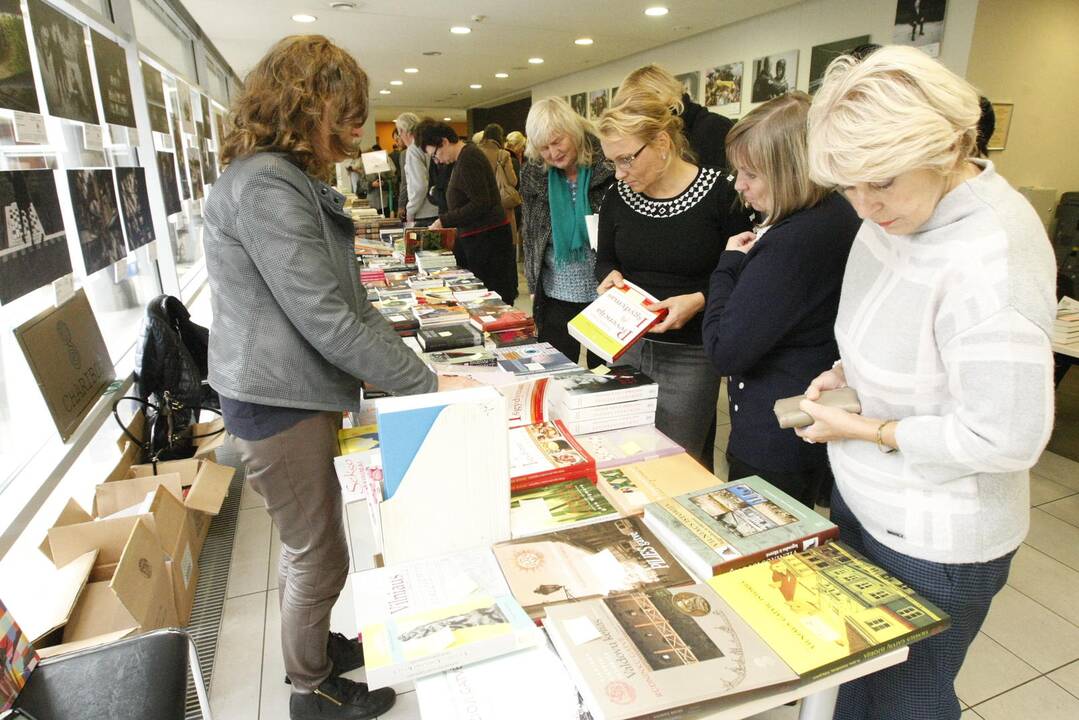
x,y
947,330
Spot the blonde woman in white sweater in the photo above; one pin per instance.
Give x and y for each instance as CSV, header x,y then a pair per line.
x,y
943,329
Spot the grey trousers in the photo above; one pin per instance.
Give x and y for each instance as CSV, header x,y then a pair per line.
x,y
293,471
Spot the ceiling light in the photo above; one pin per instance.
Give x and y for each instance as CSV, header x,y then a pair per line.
x,y
446,119
583,41
656,11
475,86
502,75
432,53
397,82
412,71
383,92
460,30
304,18
343,5
536,61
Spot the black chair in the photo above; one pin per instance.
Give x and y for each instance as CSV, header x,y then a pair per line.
x,y
131,679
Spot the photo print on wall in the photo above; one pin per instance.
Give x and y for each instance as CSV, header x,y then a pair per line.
x,y
579,102
135,206
598,101
920,23
33,247
16,76
183,95
774,75
155,98
822,55
65,66
691,85
166,170
111,62
97,218
723,89
178,148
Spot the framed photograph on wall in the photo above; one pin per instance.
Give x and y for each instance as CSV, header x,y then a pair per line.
x,y
774,75
723,89
16,78
920,23
821,55
97,217
598,101
579,102
111,62
33,247
65,66
999,139
691,85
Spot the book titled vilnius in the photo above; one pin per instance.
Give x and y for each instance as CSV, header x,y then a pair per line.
x,y
827,608
735,524
546,453
615,320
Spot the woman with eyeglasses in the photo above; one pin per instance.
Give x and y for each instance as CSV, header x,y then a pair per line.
x,y
663,226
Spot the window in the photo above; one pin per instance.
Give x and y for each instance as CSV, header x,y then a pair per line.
x,y
878,624
157,31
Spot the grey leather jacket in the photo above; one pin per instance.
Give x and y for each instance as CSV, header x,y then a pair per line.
x,y
292,326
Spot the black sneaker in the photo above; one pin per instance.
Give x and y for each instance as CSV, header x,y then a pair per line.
x,y
338,698
345,653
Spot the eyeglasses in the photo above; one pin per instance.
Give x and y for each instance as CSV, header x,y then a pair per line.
x,y
624,162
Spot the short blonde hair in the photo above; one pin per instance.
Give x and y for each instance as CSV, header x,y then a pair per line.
x,y
895,111
641,113
553,116
406,122
515,141
657,81
771,142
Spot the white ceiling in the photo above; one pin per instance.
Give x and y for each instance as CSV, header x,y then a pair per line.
x,y
387,36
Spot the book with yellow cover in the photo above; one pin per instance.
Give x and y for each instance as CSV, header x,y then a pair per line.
x,y
827,608
615,320
357,439
631,487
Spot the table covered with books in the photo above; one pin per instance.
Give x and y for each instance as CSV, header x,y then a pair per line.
x,y
545,552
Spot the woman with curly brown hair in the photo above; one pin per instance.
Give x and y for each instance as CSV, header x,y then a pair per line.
x,y
293,335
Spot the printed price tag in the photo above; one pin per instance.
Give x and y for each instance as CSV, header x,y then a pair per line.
x,y
92,138
30,128
163,142
64,288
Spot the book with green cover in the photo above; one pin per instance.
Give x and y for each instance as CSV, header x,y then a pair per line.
x,y
560,505
827,608
728,526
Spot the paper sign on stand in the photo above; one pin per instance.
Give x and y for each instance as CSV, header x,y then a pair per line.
x,y
30,128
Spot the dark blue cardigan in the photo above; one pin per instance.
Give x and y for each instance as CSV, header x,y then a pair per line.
x,y
769,323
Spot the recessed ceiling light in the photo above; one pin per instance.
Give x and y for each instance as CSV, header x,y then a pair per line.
x,y
301,18
475,86
502,75
460,30
412,71
583,41
446,119
536,61
397,82
656,11
383,92
432,53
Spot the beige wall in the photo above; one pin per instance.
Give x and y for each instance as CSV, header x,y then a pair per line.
x,y
1027,53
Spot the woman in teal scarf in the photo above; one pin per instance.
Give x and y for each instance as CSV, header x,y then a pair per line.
x,y
561,185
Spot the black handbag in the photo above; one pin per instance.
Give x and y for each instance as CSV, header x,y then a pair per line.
x,y
168,433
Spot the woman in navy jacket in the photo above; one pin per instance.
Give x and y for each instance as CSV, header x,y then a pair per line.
x,y
774,295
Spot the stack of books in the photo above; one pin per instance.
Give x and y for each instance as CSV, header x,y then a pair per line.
x,y
492,319
546,453
1066,325
533,359
372,276
430,260
589,402
449,337
439,315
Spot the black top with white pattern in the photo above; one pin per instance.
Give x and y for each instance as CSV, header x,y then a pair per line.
x,y
671,246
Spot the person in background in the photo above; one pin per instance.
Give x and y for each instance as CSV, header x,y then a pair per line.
x,y
663,227
484,241
706,131
943,329
502,164
564,182
294,337
774,295
515,144
987,125
380,186
419,210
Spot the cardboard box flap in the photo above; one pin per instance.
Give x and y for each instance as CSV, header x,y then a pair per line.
x,y
141,582
72,514
136,426
109,536
113,497
213,437
50,602
97,612
188,469
171,518
123,465
68,647
210,488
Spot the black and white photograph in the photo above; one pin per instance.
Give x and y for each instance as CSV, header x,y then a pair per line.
x,y
33,247
16,76
723,89
155,98
195,167
178,148
111,62
65,66
774,75
166,170
691,85
183,96
97,218
209,163
598,101
821,55
579,102
920,23
135,206
204,104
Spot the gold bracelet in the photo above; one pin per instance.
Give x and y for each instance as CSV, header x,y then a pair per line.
x,y
880,438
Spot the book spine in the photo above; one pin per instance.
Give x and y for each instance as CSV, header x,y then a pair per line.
x,y
604,412
584,427
576,401
797,545
875,651
550,477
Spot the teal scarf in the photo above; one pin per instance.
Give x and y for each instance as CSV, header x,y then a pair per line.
x,y
568,229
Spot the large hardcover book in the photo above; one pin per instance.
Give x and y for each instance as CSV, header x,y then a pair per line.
x,y
422,618
615,320
620,384
594,560
635,655
735,524
560,505
448,337
445,461
533,359
631,487
827,608
628,445
546,453
587,427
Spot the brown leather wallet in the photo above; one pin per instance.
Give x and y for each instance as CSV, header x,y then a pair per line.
x,y
791,416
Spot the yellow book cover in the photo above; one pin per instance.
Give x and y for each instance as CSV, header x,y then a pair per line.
x,y
631,487
357,439
827,608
